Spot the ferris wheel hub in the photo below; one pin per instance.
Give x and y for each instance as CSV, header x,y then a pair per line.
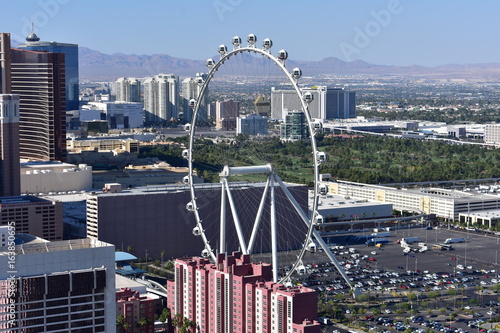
x,y
246,170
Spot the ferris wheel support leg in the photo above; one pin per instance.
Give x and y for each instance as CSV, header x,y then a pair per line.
x,y
222,226
236,219
274,242
258,219
316,234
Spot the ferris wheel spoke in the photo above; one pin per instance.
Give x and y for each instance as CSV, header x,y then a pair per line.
x,y
258,217
236,219
270,217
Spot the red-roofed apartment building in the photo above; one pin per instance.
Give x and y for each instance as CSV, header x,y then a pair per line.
x,y
235,295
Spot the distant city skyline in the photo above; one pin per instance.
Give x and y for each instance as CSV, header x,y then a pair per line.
x,y
384,32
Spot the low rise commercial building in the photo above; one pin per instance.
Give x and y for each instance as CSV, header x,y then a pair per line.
x,y
33,215
485,218
138,311
444,203
119,115
54,177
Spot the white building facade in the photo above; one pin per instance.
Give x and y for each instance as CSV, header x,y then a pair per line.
x,y
492,134
191,88
119,115
128,89
61,286
161,98
37,177
442,202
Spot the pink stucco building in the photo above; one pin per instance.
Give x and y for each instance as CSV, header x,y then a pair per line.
x,y
236,295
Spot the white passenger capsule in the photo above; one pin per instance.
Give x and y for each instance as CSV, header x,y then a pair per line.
x,y
296,73
321,156
282,55
267,44
308,97
236,41
251,39
222,49
210,63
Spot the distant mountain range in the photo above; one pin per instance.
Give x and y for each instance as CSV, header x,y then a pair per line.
x,y
95,65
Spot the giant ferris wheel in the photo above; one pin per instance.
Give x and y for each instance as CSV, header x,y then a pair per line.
x,y
250,208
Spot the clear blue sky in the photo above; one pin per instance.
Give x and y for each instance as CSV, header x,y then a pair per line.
x,y
389,32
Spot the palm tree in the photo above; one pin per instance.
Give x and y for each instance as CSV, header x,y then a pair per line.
x,y
435,295
453,293
480,290
177,320
142,323
165,315
122,323
187,326
130,249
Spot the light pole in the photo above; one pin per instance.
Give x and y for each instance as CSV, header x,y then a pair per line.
x,y
416,261
465,259
496,262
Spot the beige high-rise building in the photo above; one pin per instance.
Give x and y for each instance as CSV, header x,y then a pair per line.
x,y
32,215
191,89
492,134
161,98
128,89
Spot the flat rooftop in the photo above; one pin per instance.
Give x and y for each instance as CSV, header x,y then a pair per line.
x,y
46,164
461,196
182,188
65,245
339,201
22,200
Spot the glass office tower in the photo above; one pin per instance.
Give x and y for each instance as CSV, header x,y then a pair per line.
x,y
70,51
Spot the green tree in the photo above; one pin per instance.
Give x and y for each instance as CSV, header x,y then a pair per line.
x,y
169,265
165,316
122,323
435,295
177,321
142,323
453,294
188,326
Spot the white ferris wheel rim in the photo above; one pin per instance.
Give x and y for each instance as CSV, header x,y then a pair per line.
x,y
294,82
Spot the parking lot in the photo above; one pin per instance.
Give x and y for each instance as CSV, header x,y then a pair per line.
x,y
469,268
